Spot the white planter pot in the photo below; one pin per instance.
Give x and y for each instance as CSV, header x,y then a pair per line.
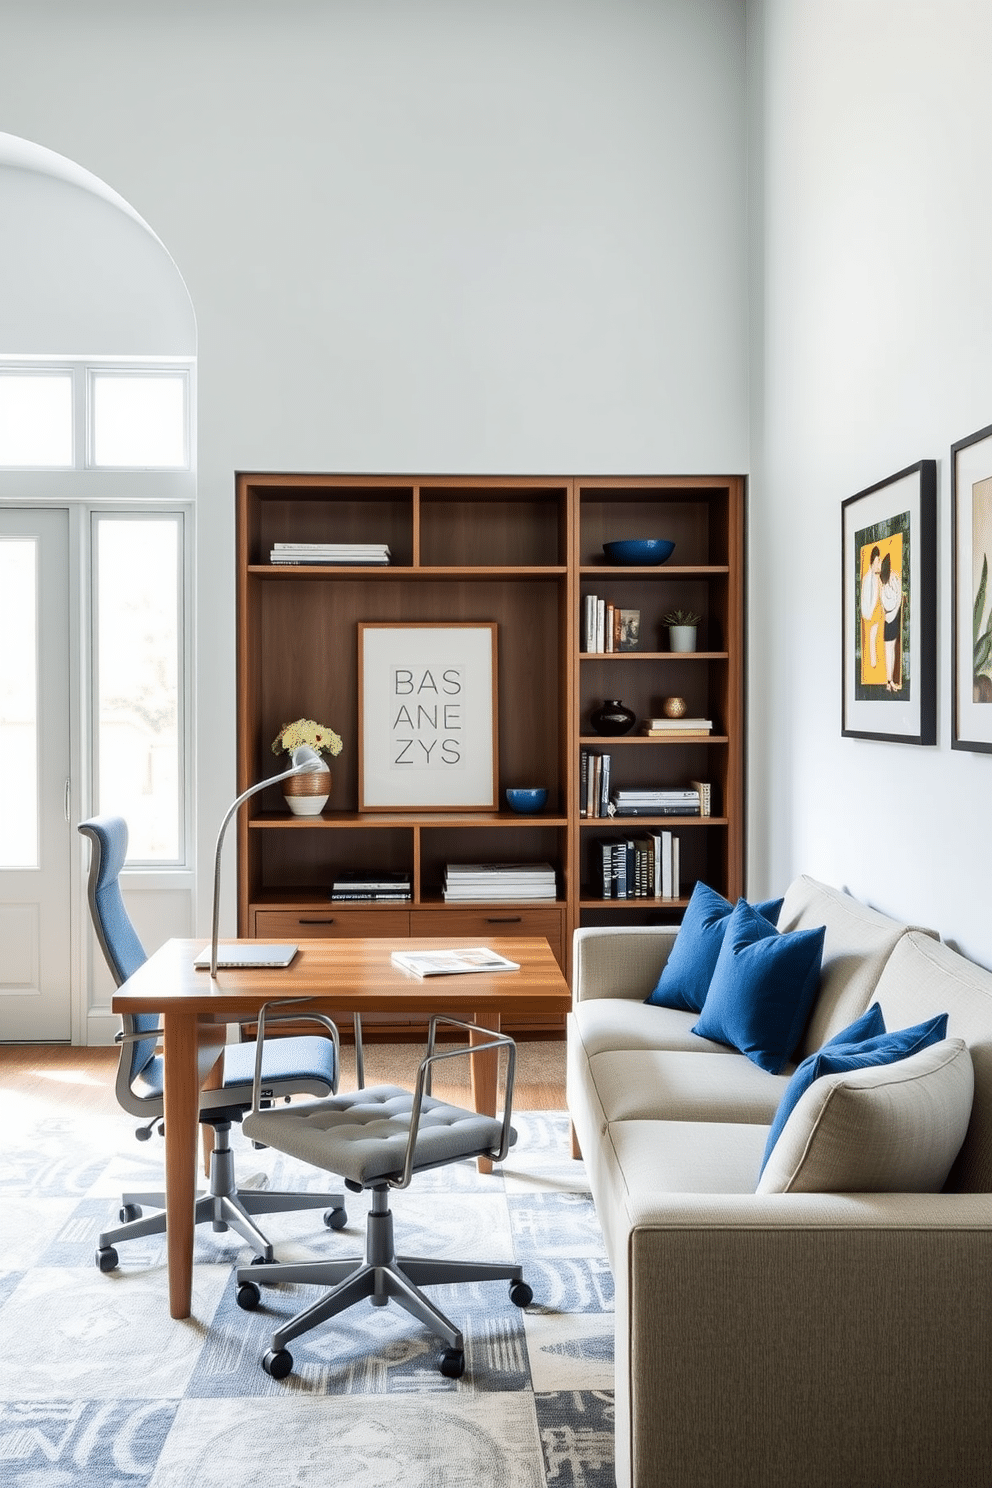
x,y
682,637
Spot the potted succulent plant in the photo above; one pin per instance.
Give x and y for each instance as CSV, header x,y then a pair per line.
x,y
306,795
681,629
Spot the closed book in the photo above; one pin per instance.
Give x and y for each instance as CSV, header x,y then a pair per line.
x,y
677,723
705,789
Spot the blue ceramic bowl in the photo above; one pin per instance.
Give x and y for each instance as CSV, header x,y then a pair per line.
x,y
640,551
526,800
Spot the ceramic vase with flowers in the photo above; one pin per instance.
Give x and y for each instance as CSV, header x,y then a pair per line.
x,y
306,795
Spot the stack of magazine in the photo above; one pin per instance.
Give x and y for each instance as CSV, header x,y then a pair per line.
x,y
357,554
371,886
504,881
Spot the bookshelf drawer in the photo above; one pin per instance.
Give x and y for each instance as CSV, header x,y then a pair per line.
x,y
489,921
322,924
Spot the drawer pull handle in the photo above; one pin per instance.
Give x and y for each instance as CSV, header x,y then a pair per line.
x,y
326,920
503,919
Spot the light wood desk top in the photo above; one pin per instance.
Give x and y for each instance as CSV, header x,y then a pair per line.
x,y
344,976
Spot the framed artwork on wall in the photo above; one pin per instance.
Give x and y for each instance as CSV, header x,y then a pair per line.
x,y
971,592
889,608
427,716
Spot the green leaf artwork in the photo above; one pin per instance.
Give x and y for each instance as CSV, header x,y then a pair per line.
x,y
982,641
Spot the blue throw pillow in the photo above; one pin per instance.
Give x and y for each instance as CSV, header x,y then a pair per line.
x,y
762,989
686,976
843,1053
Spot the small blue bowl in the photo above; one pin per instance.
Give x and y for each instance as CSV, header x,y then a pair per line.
x,y
526,800
640,551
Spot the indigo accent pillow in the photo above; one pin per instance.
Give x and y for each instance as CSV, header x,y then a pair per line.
x,y
762,989
842,1054
686,975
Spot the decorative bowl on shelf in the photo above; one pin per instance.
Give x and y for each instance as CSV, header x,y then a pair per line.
x,y
639,551
526,799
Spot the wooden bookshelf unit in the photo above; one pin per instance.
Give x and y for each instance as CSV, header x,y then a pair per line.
x,y
520,552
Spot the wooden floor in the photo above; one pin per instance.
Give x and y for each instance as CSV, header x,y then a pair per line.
x,y
84,1078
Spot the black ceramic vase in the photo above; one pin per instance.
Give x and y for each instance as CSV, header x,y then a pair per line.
x,y
612,718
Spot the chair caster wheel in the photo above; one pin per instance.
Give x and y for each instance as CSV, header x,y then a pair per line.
x,y
521,1295
453,1363
248,1296
277,1363
261,1261
128,1212
335,1219
107,1258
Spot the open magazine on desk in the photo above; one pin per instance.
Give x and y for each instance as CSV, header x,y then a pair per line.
x,y
450,963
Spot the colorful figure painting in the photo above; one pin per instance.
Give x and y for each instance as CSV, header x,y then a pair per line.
x,y
882,663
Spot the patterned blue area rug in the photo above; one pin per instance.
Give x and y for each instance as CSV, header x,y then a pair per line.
x,y
102,1389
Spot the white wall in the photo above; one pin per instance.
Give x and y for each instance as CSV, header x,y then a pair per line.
x,y
870,142
439,235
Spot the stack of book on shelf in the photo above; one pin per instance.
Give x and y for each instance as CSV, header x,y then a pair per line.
x,y
594,783
643,867
643,801
357,554
606,627
485,881
371,886
676,728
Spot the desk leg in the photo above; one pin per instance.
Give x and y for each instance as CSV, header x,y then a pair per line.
x,y
485,1070
186,1062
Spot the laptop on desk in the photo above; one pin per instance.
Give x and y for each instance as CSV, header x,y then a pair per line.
x,y
248,954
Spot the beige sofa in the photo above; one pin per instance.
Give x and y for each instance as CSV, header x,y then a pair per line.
x,y
812,1338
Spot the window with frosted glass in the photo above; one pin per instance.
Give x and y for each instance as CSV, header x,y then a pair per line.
x,y
36,419
19,703
139,681
139,422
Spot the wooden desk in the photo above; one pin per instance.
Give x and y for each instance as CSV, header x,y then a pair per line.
x,y
346,976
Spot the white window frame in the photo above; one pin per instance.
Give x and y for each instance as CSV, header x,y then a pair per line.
x,y
82,371
49,369
134,370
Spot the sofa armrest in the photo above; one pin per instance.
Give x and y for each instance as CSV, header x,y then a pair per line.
x,y
608,961
823,1338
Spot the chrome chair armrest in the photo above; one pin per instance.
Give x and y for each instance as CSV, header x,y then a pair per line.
x,y
489,1041
120,1037
308,1015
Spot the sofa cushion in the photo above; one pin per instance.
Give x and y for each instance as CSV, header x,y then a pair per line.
x,y
685,977
762,988
615,1023
670,1085
857,945
921,975
853,1049
891,1128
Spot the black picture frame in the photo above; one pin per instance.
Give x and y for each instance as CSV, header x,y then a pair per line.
x,y
889,608
971,641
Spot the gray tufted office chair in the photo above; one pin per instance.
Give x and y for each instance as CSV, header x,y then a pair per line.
x,y
292,1066
377,1139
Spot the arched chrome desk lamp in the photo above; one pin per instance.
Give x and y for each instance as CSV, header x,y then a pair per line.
x,y
305,762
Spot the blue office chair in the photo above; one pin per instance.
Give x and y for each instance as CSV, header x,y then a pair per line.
x,y
292,1066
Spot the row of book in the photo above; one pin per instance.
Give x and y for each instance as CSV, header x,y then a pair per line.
x,y
599,798
642,867
464,882
361,555
371,887
606,627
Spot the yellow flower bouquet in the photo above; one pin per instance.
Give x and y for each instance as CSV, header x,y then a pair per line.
x,y
306,731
